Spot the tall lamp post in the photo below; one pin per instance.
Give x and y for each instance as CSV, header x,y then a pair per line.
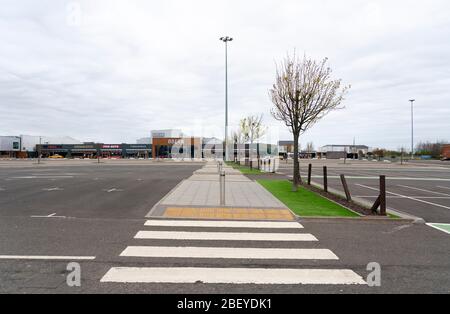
x,y
226,39
412,127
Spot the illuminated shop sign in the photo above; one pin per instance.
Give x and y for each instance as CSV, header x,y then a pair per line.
x,y
175,142
111,146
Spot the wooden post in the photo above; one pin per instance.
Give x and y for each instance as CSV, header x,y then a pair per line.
x,y
309,174
325,179
383,195
347,191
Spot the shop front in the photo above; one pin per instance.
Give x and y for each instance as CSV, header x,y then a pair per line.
x,y
174,148
137,151
52,150
83,151
112,151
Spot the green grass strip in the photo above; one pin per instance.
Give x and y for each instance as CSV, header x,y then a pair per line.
x,y
244,169
304,202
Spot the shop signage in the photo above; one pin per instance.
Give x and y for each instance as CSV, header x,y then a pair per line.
x,y
111,146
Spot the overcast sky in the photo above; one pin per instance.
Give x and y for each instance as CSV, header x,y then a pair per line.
x,y
111,71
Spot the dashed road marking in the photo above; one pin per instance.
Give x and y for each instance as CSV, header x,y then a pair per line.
x,y
52,189
112,190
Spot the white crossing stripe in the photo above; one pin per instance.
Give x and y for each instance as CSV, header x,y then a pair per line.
x,y
44,257
231,236
227,252
232,276
224,224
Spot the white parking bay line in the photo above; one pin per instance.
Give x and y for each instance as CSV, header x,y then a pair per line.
x,y
404,196
225,236
223,224
43,177
262,276
229,253
44,257
423,190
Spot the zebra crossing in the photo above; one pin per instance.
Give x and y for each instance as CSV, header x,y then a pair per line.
x,y
238,240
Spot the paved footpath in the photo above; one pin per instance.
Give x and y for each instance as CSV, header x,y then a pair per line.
x,y
237,250
199,197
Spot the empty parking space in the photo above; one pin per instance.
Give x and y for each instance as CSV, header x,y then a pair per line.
x,y
419,189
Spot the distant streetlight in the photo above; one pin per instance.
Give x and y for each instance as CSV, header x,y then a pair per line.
x,y
226,39
412,127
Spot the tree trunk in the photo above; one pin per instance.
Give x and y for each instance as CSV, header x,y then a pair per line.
x,y
296,176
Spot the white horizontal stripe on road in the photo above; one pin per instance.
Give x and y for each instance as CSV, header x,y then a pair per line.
x,y
227,252
224,224
233,236
233,276
443,187
43,257
404,196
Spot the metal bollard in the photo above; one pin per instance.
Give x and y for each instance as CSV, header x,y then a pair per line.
x,y
222,188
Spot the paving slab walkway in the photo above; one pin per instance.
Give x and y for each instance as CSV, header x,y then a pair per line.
x,y
199,197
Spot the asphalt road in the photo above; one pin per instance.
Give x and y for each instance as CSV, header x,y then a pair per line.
x,y
96,210
421,189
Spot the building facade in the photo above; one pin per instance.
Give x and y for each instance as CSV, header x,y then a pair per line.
x,y
343,151
10,146
95,150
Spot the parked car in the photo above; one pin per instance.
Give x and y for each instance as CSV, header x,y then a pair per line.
x,y
56,156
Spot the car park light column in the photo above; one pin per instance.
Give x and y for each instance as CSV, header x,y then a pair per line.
x,y
226,39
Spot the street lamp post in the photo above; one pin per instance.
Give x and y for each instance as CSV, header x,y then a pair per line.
x,y
412,127
226,39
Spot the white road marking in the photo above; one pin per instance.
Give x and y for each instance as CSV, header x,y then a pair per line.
x,y
423,190
432,225
113,190
443,187
233,276
42,177
388,178
225,236
404,196
397,197
49,216
227,252
224,224
52,189
43,257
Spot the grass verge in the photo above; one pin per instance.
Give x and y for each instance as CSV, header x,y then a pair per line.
x,y
244,169
305,203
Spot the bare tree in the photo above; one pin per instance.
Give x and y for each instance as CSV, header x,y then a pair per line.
x,y
252,129
310,147
303,93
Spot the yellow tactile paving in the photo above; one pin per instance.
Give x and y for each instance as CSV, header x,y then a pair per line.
x,y
229,213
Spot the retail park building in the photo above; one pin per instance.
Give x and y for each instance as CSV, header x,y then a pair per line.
x,y
162,144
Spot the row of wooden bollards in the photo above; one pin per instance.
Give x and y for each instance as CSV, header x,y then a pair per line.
x,y
380,201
